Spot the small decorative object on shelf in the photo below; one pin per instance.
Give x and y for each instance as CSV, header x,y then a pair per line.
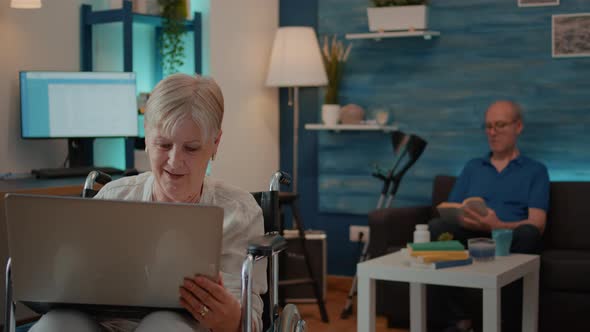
x,y
148,7
141,101
330,114
381,116
334,54
352,114
398,15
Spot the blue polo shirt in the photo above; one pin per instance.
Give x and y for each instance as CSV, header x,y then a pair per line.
x,y
523,184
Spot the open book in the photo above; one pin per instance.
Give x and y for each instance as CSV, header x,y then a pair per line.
x,y
452,211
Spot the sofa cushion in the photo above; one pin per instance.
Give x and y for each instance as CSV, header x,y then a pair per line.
x,y
568,220
565,270
442,187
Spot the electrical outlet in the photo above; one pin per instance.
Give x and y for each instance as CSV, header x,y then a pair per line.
x,y
355,231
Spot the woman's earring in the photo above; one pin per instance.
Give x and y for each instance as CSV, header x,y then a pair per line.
x,y
213,157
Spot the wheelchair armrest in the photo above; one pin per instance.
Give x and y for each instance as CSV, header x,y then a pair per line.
x,y
267,245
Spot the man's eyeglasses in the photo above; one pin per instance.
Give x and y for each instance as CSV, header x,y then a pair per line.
x,y
498,126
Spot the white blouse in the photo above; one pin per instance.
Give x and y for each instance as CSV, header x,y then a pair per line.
x,y
242,221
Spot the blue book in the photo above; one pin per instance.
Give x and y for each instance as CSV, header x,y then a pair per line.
x,y
460,262
443,264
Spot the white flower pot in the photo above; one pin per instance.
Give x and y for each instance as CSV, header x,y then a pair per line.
x,y
398,18
330,114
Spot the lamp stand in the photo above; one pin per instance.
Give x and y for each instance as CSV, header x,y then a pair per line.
x,y
295,135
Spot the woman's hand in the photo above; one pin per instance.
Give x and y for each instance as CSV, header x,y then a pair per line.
x,y
211,304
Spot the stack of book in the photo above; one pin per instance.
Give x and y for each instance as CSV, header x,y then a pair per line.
x,y
438,254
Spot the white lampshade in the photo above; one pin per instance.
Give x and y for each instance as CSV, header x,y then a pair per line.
x,y
296,59
25,4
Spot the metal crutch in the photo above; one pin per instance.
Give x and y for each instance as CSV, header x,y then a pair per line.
x,y
399,141
413,146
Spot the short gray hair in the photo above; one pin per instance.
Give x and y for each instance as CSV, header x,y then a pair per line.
x,y
180,96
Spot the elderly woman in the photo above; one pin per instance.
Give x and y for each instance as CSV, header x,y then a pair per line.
x,y
183,129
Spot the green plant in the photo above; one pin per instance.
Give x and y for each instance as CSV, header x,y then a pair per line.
x,y
171,43
387,3
335,55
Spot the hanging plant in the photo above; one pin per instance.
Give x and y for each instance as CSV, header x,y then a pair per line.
x,y
171,43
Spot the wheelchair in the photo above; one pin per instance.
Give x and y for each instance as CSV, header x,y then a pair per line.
x,y
266,246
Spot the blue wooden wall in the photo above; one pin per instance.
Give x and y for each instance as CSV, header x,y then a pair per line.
x,y
439,89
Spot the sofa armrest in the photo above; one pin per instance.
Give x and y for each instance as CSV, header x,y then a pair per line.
x,y
392,228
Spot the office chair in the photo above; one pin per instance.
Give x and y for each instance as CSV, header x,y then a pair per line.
x,y
265,246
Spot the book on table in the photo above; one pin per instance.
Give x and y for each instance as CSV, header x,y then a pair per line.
x,y
442,264
437,254
451,211
451,245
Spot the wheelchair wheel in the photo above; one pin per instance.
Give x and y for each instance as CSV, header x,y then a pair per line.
x,y
290,320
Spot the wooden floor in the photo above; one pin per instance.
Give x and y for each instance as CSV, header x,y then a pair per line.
x,y
338,288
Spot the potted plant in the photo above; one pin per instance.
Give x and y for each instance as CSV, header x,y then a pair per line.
x,y
398,15
171,43
334,54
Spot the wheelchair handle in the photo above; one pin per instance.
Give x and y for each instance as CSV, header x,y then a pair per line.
x,y
279,177
9,304
247,293
94,176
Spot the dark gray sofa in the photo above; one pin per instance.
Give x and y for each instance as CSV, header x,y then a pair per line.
x,y
565,258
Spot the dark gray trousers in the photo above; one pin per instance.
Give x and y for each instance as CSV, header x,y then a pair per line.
x,y
447,305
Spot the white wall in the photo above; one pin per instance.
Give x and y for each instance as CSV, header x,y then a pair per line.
x,y
241,34
43,39
241,40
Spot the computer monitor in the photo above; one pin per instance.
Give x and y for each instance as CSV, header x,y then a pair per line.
x,y
78,104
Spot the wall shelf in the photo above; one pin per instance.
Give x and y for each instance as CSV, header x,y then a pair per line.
x,y
126,16
428,34
351,127
119,15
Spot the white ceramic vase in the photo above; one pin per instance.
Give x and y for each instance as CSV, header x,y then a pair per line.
x,y
330,114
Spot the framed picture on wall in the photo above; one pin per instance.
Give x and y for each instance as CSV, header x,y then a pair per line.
x,y
537,3
570,35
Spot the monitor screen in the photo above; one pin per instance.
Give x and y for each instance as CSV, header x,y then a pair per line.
x,y
78,104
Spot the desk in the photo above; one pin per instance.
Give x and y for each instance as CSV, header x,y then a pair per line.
x,y
489,276
61,187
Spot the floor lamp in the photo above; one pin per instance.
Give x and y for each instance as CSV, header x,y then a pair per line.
x,y
296,62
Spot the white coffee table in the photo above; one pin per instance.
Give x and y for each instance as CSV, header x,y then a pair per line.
x,y
489,276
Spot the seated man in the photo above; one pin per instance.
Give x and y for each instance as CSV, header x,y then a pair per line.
x,y
514,187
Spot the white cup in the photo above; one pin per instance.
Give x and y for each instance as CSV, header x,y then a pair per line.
x,y
330,114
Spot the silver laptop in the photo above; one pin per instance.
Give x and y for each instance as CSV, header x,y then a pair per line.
x,y
108,255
